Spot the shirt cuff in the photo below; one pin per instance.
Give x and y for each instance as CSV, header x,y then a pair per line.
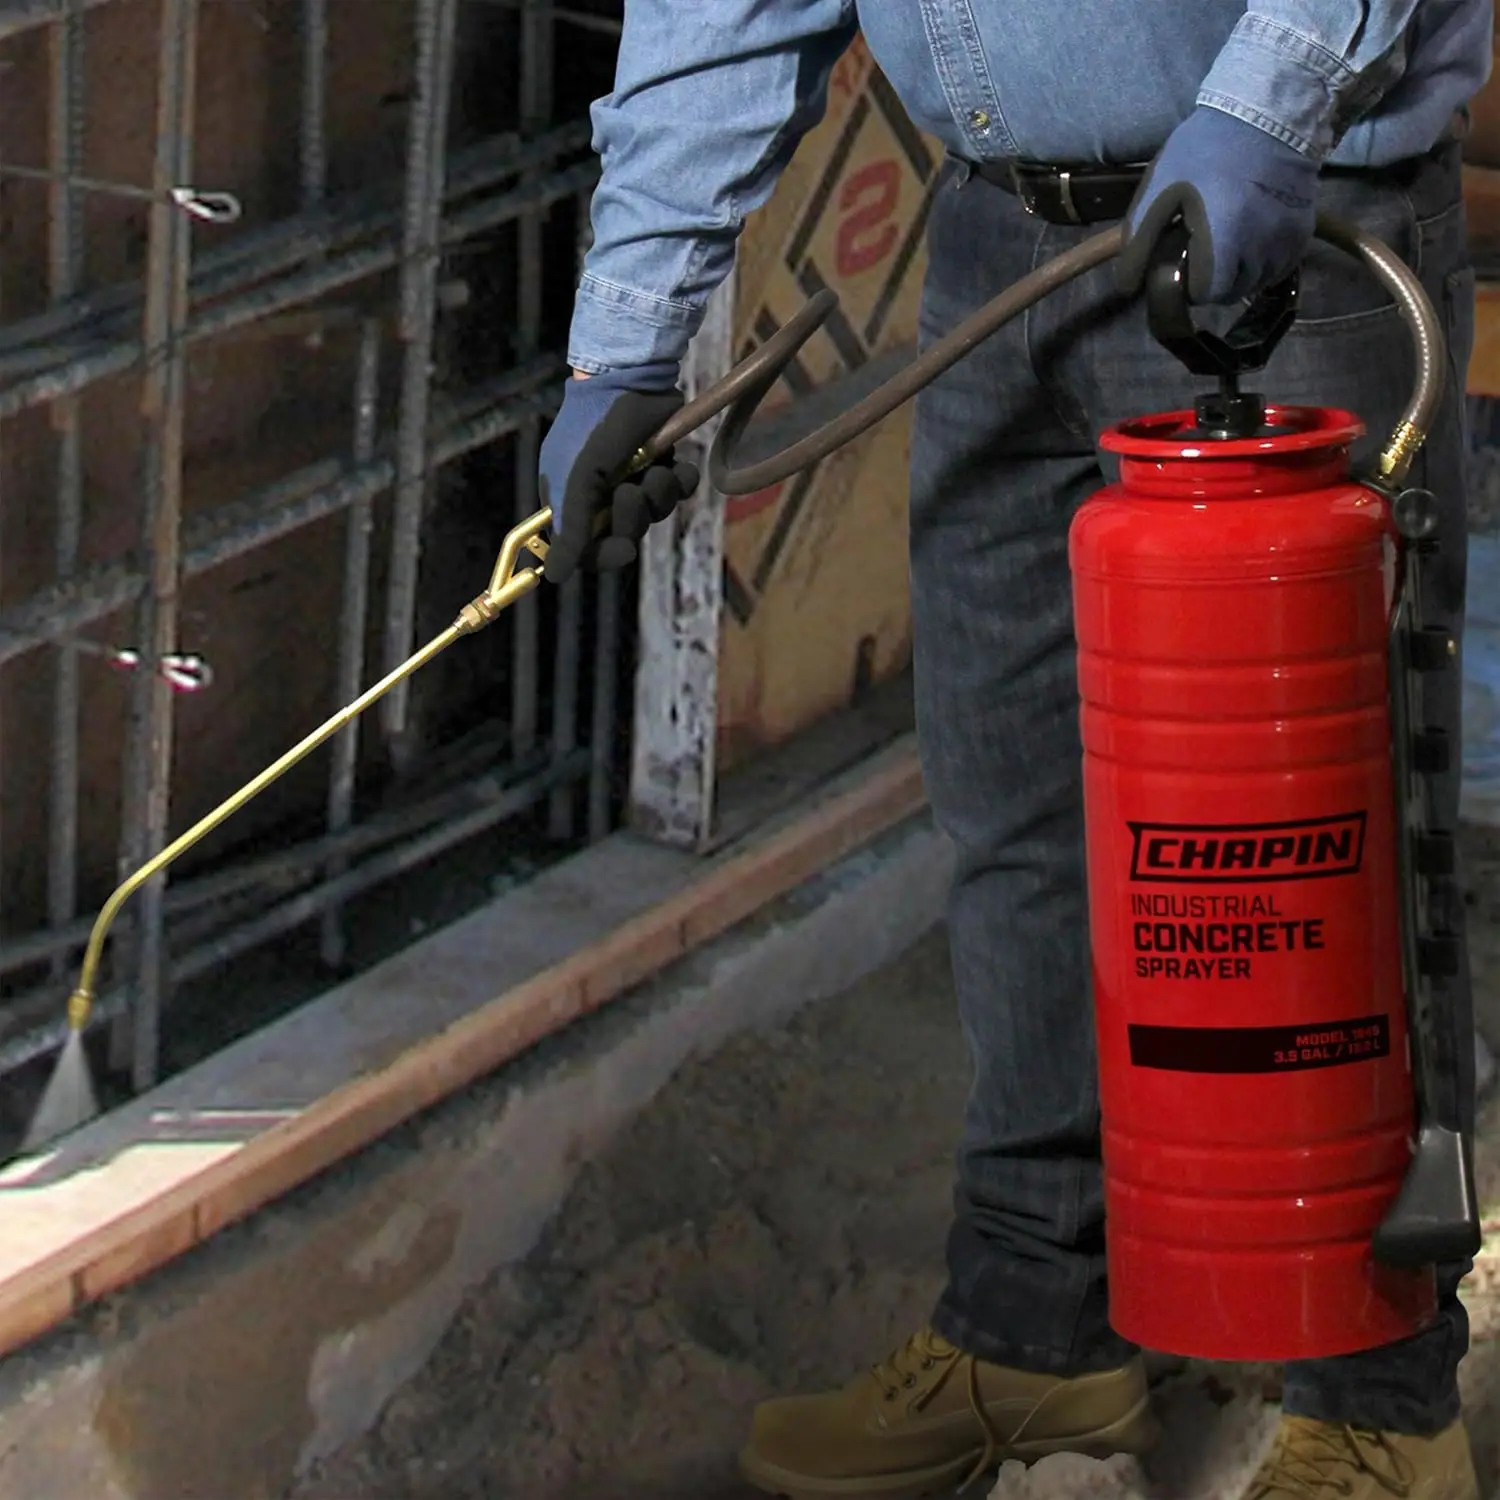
x,y
617,327
1280,81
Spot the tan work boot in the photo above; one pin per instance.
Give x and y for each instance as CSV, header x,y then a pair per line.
x,y
932,1417
1325,1461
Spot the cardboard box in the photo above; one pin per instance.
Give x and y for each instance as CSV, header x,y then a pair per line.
x,y
815,573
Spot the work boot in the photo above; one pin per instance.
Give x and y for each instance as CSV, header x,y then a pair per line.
x,y
1327,1461
932,1417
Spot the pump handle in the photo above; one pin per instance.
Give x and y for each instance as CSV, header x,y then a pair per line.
x,y
1248,344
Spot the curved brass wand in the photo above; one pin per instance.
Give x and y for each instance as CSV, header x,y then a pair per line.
x,y
507,585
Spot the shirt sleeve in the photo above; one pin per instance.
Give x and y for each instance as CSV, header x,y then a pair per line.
x,y
709,103
1304,70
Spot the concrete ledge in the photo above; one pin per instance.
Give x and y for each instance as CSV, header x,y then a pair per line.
x,y
253,1355
148,1182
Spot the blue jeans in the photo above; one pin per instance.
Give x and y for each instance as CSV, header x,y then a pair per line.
x,y
1003,453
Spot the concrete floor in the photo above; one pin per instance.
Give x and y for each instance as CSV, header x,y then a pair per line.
x,y
772,1222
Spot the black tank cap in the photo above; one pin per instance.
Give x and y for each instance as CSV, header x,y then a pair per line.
x,y
1228,414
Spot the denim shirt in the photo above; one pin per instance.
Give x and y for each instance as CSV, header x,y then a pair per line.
x,y
711,99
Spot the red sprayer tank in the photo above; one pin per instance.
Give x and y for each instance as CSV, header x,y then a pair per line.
x,y
1268,889
1233,600
1272,908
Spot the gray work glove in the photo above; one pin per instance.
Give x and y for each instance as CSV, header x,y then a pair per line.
x,y
598,518
1249,200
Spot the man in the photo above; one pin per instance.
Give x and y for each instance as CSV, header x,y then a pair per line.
x,y
1252,116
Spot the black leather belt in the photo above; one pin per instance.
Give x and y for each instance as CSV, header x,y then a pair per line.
x,y
1086,194
1090,193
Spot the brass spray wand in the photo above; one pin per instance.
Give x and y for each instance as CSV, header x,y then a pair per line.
x,y
508,583
505,587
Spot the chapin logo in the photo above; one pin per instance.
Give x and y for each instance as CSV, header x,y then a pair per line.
x,y
1246,853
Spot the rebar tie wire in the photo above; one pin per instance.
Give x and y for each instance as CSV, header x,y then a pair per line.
x,y
186,672
182,671
209,206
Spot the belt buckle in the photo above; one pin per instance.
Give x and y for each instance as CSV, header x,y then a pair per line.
x,y
1026,191
1065,193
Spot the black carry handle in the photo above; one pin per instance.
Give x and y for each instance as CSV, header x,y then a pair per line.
x,y
1435,1218
1246,347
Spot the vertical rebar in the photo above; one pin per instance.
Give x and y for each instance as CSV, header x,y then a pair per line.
x,y
351,665
535,109
427,137
602,733
314,120
354,606
164,399
65,256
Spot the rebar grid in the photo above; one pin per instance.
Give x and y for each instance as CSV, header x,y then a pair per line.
x,y
205,285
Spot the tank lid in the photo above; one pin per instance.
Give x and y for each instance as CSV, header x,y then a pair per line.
x,y
1224,425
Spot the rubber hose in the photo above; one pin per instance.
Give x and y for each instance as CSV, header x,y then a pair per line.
x,y
741,391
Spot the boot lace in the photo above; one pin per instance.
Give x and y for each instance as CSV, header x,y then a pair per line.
x,y
912,1366
1316,1462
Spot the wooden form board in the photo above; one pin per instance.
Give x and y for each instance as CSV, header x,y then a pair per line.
x,y
761,614
68,1238
849,213
825,610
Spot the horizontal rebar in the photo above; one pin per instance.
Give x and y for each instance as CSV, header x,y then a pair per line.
x,y
17,16
317,281
292,863
245,283
17,1051
96,317
311,493
374,871
582,19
